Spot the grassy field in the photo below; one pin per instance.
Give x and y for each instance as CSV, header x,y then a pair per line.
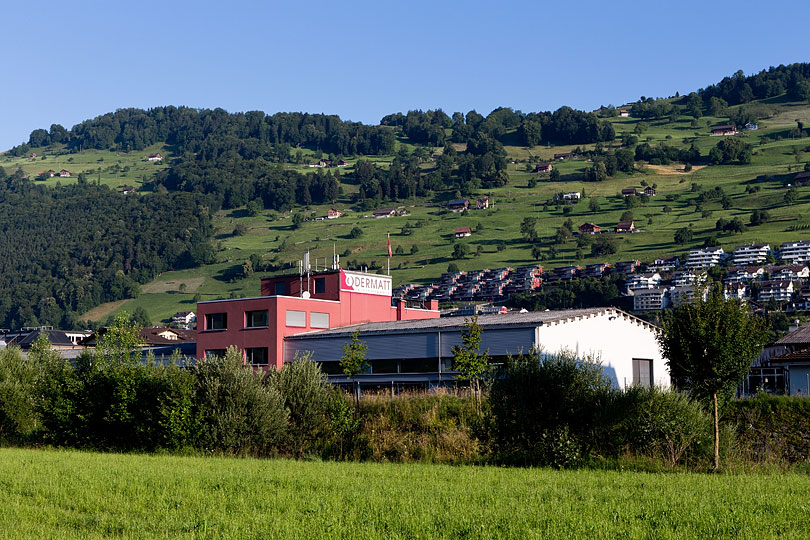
x,y
499,242
67,495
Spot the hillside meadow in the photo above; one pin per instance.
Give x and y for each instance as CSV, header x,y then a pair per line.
x,y
82,495
426,247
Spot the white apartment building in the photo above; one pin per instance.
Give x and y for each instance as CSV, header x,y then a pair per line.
x,y
753,254
682,278
650,299
781,291
705,258
647,280
683,295
795,252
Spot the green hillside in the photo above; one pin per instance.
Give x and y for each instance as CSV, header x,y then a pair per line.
x,y
687,197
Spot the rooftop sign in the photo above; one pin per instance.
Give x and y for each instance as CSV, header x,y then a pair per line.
x,y
365,283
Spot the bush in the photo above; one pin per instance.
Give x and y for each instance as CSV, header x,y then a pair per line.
x,y
305,393
236,412
18,418
540,398
772,429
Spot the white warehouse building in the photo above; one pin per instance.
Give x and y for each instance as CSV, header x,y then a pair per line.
x,y
419,352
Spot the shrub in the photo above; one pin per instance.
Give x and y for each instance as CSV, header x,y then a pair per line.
x,y
541,397
305,394
772,429
18,418
236,412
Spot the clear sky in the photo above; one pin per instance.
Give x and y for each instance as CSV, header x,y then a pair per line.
x,y
65,62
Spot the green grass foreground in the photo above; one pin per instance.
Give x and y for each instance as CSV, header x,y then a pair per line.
x,y
68,494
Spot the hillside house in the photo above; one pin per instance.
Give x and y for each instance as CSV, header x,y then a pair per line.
x,y
458,205
626,227
589,228
626,192
627,267
596,270
51,173
624,113
724,130
649,191
543,168
795,252
648,280
750,254
64,173
155,157
792,272
655,299
751,126
462,232
482,203
384,213
33,154
780,291
126,190
184,319
705,258
563,156
333,213
735,291
747,274
664,264
572,196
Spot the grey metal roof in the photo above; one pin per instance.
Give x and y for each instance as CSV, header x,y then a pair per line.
x,y
507,320
799,336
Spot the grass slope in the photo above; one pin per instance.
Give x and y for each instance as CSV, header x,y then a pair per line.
x,y
66,495
272,236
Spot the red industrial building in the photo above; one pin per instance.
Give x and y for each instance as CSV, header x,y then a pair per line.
x,y
296,304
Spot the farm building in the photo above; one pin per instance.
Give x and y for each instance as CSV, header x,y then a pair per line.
x,y
458,205
420,351
543,168
461,232
723,130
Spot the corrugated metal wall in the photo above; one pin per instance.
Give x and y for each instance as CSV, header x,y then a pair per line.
x,y
500,342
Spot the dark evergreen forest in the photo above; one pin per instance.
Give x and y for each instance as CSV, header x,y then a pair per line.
x,y
66,250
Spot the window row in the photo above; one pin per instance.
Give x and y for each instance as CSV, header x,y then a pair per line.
x,y
261,319
255,356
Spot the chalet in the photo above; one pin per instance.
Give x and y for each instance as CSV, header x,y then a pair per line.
x,y
543,168
589,228
333,214
626,192
627,267
649,191
126,190
461,232
751,126
624,113
563,156
343,163
626,227
33,154
458,205
735,291
51,173
664,264
596,269
384,213
64,173
482,204
802,178
155,157
724,130
184,319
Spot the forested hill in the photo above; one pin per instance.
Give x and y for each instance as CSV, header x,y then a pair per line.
x,y
66,250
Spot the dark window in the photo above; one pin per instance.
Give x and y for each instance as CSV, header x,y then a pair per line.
x,y
320,285
256,319
642,372
256,356
419,365
331,368
281,288
216,321
213,353
384,366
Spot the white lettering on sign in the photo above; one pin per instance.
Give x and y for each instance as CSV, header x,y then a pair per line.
x,y
363,283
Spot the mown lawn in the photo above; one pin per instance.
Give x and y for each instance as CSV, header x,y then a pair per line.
x,y
66,494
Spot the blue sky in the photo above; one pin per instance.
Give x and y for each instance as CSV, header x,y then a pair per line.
x,y
68,61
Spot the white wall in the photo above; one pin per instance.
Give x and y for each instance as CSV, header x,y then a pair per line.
x,y
614,338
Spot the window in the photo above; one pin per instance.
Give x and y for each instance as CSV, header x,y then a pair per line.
x,y
320,285
281,288
384,366
319,320
216,321
296,318
215,353
642,372
256,356
256,319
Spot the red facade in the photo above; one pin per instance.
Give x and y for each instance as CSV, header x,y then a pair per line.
x,y
291,305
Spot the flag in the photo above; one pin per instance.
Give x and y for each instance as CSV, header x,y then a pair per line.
x,y
389,245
